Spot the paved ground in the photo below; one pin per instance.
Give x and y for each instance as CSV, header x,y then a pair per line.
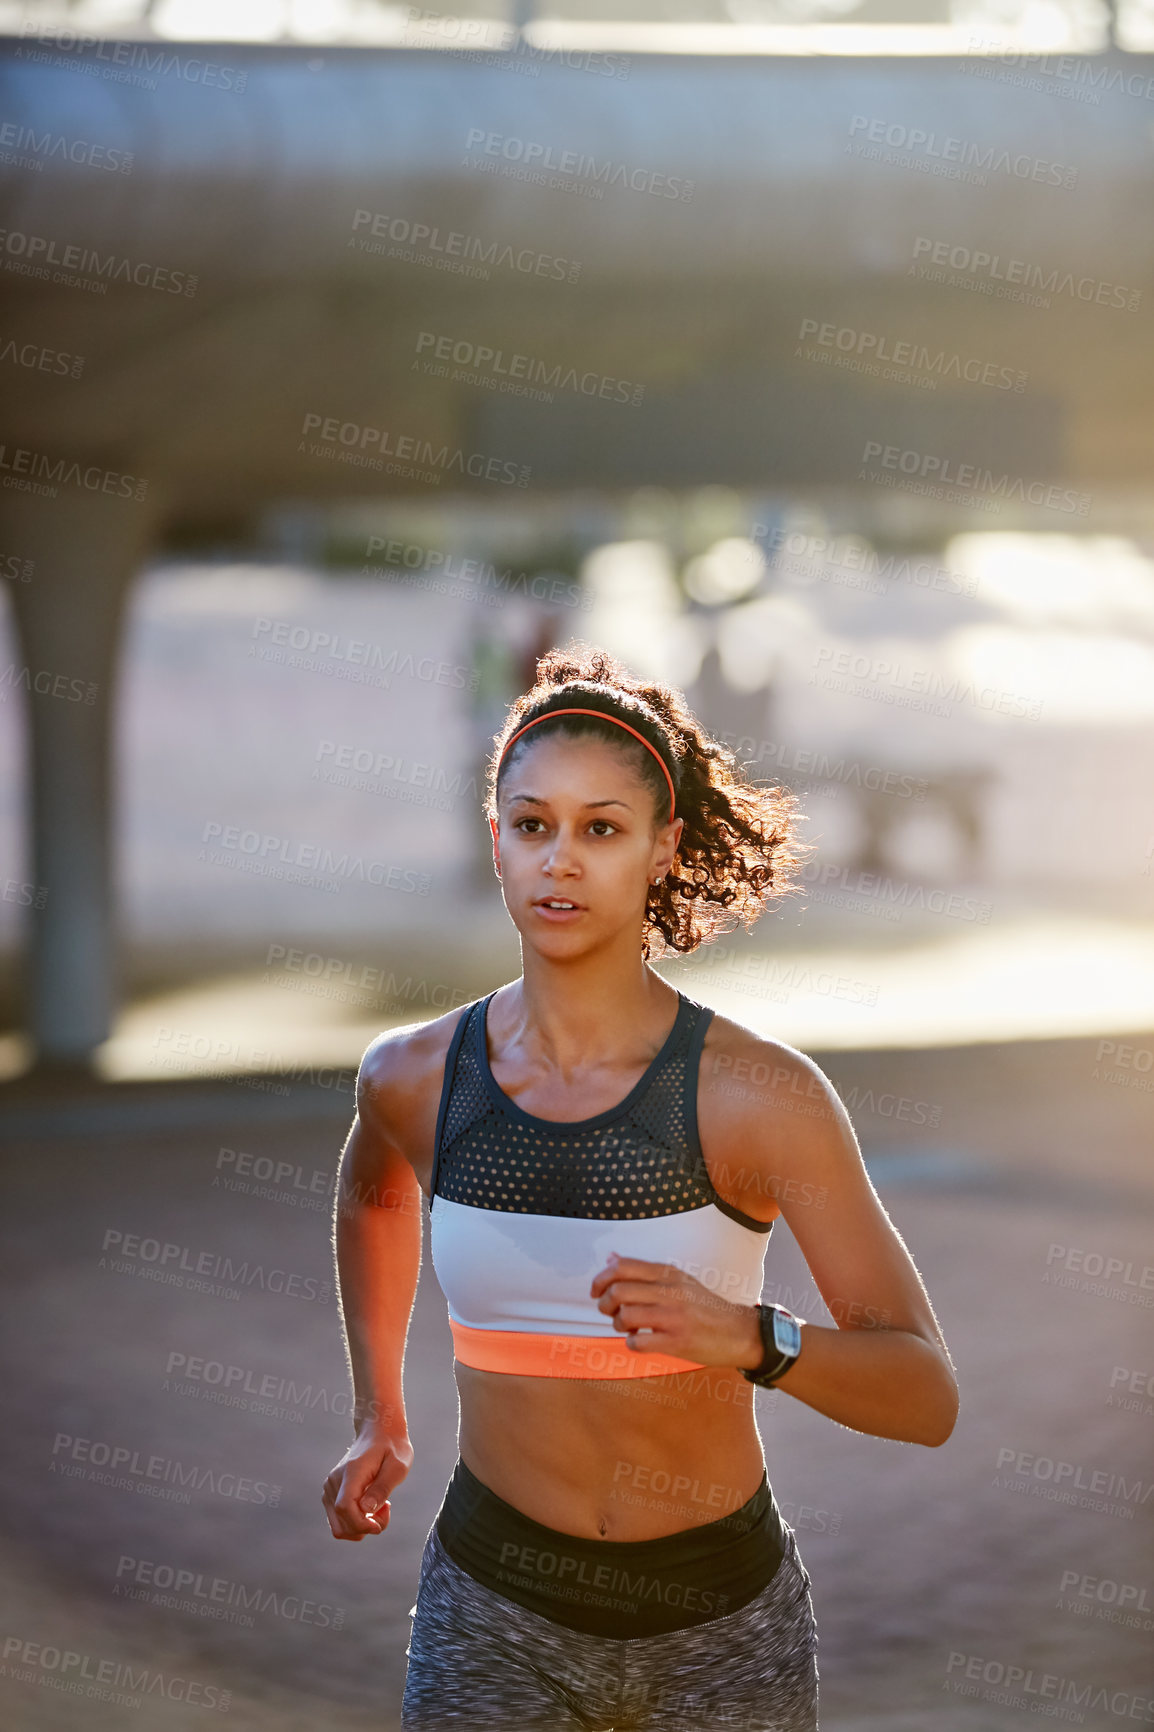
x,y
917,1556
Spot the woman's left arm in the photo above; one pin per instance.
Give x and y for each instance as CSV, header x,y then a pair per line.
x,y
885,1368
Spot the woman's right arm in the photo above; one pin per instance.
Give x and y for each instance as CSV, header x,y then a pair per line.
x,y
377,1241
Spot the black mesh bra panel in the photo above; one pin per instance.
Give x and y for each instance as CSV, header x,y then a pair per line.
x,y
629,1164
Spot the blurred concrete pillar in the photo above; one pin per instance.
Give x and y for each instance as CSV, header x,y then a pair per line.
x,y
85,550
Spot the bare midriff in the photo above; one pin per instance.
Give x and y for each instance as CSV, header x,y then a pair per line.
x,y
614,1458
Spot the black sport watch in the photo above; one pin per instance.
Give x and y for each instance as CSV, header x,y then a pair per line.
x,y
781,1338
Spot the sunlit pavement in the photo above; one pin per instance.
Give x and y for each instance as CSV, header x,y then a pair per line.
x,y
937,981
916,1555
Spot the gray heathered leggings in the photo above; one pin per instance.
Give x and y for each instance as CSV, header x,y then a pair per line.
x,y
479,1660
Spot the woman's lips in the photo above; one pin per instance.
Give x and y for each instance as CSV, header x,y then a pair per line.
x,y
558,916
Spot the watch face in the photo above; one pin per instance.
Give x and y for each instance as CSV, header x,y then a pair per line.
x,y
786,1334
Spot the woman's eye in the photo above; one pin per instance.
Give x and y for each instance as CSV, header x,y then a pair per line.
x,y
600,826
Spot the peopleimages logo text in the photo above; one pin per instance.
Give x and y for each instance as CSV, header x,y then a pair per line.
x,y
943,472
34,255
917,142
329,436
45,145
287,852
149,57
36,471
532,154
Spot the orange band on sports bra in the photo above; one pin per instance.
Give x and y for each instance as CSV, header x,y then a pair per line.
x,y
520,1353
605,717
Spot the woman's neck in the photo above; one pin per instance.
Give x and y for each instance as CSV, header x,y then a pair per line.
x,y
576,1014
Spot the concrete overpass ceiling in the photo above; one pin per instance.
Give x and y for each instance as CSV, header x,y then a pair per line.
x,y
213,399
308,216
759,428
257,181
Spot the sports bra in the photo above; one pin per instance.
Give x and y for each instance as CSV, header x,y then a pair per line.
x,y
524,1211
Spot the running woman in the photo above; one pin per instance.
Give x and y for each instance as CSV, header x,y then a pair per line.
x,y
604,1159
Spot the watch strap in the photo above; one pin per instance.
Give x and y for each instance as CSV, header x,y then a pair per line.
x,y
774,1360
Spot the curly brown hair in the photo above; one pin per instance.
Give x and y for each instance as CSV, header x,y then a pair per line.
x,y
739,847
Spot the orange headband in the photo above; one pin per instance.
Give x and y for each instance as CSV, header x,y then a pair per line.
x,y
602,714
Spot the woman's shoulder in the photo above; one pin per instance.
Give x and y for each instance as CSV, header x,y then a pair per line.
x,y
734,1043
405,1058
752,1072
